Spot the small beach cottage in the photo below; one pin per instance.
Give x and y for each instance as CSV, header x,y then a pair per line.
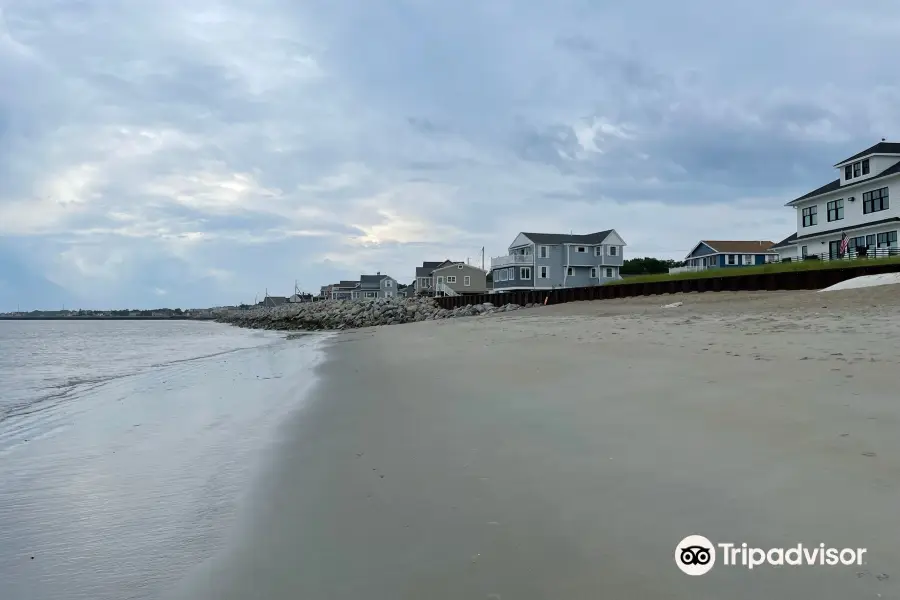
x,y
376,286
711,254
459,278
544,261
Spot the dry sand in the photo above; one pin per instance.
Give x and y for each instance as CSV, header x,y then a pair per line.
x,y
563,452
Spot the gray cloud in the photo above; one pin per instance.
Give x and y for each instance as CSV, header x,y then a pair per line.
x,y
217,147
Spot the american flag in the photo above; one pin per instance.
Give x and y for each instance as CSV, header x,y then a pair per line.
x,y
845,242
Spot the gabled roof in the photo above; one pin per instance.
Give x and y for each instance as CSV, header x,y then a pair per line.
x,y
790,240
347,284
734,246
566,238
739,246
429,266
836,184
879,148
455,264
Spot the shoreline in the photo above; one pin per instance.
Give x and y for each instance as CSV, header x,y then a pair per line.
x,y
564,453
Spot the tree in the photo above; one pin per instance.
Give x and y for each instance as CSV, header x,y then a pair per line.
x,y
648,266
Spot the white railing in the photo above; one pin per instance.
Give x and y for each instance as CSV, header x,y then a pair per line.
x,y
443,288
688,269
512,260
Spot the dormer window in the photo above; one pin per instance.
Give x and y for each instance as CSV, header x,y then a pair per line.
x,y
865,167
857,169
848,172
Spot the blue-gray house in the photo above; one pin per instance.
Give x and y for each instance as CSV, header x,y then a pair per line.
x,y
543,261
711,254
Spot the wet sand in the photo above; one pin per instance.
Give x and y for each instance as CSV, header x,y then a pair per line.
x,y
563,452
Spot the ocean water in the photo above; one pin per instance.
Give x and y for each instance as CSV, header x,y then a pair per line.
x,y
126,448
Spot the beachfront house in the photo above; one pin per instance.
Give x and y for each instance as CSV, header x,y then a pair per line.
x,y
345,290
377,286
423,284
543,261
714,254
459,278
857,204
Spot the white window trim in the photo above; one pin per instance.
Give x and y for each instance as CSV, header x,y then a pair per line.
x,y
467,280
543,252
543,272
570,271
594,273
387,283
440,279
512,273
459,266
598,250
522,271
731,259
371,294
451,278
580,249
612,250
745,261
610,273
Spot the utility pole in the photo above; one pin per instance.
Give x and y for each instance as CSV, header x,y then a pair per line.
x,y
482,258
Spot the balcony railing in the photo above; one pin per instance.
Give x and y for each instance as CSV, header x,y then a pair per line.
x,y
851,254
512,260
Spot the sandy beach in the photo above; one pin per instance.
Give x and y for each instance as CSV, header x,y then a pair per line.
x,y
563,452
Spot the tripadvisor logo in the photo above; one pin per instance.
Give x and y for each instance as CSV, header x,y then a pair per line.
x,y
696,555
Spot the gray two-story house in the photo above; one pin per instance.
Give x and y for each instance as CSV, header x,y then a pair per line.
x,y
458,278
424,282
344,290
377,286
544,261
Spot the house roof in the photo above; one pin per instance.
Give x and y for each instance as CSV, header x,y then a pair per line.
x,y
836,184
790,240
346,284
455,264
879,148
371,278
566,238
429,266
739,246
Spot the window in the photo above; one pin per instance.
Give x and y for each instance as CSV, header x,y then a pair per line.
x,y
598,250
580,249
440,280
451,278
459,266
870,241
371,294
543,272
570,271
512,273
887,239
748,259
732,259
613,250
803,251
857,169
543,252
865,167
875,201
848,172
712,261
593,272
387,283
389,294
524,272
609,272
835,210
501,275
467,280
809,216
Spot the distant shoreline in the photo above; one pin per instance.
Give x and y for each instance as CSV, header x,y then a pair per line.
x,y
105,318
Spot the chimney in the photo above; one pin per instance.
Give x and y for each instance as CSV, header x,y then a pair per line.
x,y
378,273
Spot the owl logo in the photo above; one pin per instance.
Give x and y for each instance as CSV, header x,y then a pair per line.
x,y
695,555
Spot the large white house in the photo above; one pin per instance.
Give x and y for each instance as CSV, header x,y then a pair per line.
x,y
856,203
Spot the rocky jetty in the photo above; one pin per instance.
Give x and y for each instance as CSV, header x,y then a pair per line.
x,y
351,314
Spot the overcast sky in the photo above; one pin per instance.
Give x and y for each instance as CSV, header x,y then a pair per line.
x,y
196,152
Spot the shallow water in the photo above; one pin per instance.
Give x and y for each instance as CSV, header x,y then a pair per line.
x,y
127,447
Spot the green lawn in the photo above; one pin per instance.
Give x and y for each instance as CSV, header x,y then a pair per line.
x,y
808,265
